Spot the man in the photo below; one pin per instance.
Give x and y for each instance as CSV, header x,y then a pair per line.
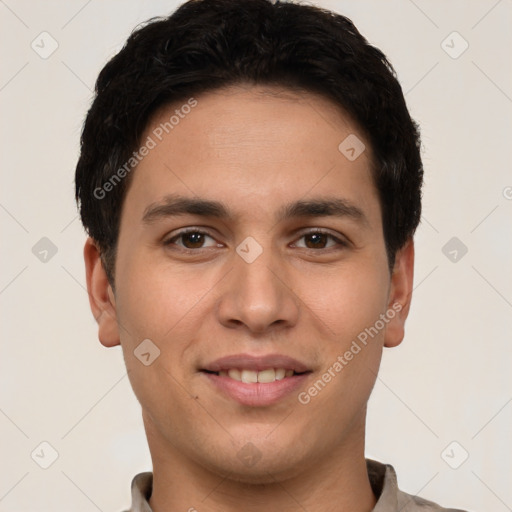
x,y
250,179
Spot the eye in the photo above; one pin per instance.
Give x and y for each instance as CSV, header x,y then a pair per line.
x,y
319,239
191,239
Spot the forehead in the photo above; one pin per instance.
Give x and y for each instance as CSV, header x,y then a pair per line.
x,y
252,146
257,117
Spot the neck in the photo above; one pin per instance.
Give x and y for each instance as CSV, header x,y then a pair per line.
x,y
339,484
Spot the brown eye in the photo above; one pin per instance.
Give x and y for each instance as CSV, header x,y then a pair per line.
x,y
320,240
316,240
193,239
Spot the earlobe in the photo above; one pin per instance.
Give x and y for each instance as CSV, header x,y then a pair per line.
x,y
400,295
101,296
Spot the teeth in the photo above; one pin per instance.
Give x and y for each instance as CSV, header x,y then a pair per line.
x,y
280,373
252,376
234,374
249,376
267,375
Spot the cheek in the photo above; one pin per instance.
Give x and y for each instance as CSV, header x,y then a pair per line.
x,y
155,304
159,302
350,304
347,300
154,298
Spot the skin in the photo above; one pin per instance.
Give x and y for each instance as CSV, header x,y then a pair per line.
x,y
254,149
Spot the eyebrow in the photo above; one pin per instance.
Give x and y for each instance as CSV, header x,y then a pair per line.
x,y
175,205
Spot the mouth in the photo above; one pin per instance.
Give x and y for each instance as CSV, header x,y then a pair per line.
x,y
253,376
256,380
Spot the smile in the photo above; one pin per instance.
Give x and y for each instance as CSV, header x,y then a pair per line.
x,y
252,376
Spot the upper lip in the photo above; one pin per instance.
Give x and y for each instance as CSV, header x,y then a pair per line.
x,y
256,363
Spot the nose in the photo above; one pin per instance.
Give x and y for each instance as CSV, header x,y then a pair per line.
x,y
258,296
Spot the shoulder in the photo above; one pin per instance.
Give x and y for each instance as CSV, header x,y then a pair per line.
x,y
389,497
410,503
142,485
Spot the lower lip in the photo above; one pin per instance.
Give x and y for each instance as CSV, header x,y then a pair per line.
x,y
257,394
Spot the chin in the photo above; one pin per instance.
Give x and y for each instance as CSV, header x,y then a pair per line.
x,y
263,468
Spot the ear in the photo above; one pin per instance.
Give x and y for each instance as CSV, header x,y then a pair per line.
x,y
101,296
400,294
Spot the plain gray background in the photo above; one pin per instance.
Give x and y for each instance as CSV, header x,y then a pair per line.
x,y
444,394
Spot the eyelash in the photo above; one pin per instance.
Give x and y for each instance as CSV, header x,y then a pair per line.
x,y
175,237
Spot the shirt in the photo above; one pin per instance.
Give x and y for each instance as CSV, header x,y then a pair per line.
x,y
382,479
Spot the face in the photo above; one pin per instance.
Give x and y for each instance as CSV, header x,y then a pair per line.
x,y
251,247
